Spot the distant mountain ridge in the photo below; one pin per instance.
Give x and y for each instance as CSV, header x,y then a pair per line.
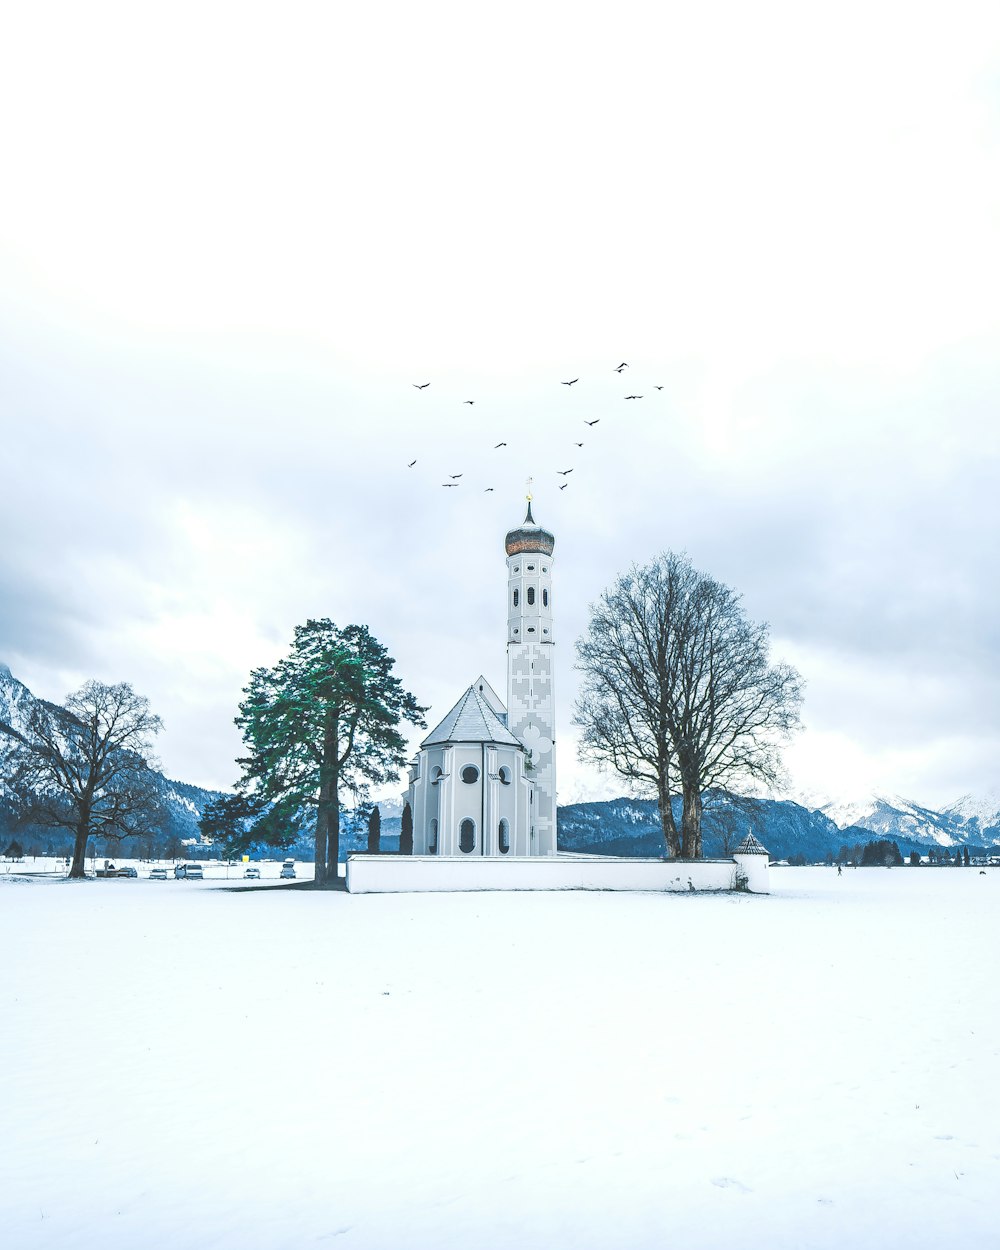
x,y
813,828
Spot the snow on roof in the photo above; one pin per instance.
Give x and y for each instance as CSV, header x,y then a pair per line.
x,y
470,720
490,695
750,846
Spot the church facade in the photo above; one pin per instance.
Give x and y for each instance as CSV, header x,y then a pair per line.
x,y
484,780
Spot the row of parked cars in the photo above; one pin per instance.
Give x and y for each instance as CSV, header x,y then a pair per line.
x,y
195,872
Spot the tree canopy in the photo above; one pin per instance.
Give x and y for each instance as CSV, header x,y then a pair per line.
x,y
323,721
678,692
82,766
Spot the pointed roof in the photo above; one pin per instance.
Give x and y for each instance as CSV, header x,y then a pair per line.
x,y
750,846
490,695
471,720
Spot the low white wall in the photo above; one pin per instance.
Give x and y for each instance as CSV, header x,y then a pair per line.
x,y
399,874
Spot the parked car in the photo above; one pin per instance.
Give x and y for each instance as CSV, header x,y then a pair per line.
x,y
195,872
180,870
157,874
127,872
287,869
252,874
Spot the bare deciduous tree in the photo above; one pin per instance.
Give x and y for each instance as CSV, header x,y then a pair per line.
x,y
82,767
679,693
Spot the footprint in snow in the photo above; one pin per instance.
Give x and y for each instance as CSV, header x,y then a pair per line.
x,y
728,1182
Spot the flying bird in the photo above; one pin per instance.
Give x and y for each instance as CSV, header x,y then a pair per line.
x,y
564,472
411,464
421,385
659,388
620,367
564,485
499,445
579,444
468,401
591,422
453,476
449,483
633,397
487,490
571,383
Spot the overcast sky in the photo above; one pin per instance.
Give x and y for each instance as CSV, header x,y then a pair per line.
x,y
233,236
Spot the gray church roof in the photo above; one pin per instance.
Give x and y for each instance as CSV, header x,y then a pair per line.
x,y
750,846
470,720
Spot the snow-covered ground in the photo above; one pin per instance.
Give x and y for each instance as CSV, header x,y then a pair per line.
x,y
186,1065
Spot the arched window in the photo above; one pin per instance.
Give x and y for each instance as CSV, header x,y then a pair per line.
x,y
470,774
436,775
505,776
531,595
545,598
467,836
432,843
504,837
517,597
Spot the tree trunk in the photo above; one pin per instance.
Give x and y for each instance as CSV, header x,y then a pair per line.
x,y
669,825
333,836
691,823
80,850
319,855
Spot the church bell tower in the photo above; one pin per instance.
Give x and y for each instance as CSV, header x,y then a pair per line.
x,y
530,693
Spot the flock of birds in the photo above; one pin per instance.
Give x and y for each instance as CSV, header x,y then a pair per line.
x,y
455,479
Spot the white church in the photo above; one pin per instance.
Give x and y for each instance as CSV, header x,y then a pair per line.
x,y
482,789
484,780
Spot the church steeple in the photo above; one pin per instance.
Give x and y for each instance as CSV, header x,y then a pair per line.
x,y
530,697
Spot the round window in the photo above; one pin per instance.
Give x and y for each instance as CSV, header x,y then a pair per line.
x,y
470,774
505,776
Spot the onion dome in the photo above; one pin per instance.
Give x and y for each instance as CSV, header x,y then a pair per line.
x,y
529,537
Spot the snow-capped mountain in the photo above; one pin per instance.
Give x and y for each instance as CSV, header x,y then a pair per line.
x,y
981,814
969,820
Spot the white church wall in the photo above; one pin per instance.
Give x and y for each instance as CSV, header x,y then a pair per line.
x,y
390,874
439,793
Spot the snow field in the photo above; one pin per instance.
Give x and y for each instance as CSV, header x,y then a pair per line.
x,y
188,1066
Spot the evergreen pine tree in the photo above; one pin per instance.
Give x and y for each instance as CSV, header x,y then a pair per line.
x,y
374,830
406,831
323,721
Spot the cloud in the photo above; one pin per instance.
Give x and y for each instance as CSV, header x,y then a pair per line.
x,y
220,299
